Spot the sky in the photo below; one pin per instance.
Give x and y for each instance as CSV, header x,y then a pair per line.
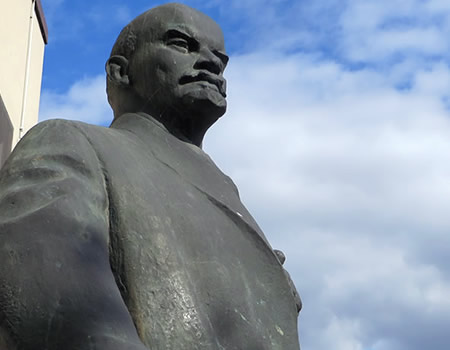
x,y
337,135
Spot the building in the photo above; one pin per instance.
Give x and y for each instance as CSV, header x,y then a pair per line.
x,y
23,36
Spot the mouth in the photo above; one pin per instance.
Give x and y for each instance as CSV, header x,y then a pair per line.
x,y
205,77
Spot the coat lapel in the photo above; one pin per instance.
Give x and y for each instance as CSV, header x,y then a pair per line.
x,y
193,165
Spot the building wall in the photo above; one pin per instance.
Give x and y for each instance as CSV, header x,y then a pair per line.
x,y
14,39
6,132
35,78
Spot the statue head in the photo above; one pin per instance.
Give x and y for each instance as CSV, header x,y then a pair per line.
x,y
169,62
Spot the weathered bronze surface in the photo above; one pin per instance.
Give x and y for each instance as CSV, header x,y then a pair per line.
x,y
130,237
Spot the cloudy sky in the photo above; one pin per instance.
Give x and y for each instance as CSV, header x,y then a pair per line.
x,y
338,137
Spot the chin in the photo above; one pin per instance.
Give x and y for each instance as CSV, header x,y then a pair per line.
x,y
210,104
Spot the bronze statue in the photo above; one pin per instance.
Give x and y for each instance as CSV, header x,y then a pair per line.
x,y
130,237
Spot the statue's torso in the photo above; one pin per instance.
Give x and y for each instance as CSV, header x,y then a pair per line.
x,y
194,268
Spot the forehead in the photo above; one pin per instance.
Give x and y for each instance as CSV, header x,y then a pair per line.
x,y
184,19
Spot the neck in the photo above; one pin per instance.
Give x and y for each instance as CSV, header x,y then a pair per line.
x,y
189,125
189,128
182,127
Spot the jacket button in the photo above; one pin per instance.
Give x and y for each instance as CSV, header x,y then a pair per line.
x,y
280,255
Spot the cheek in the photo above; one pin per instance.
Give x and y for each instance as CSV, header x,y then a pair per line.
x,y
160,69
174,64
163,75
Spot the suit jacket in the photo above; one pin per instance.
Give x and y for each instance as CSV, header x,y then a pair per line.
x,y
129,238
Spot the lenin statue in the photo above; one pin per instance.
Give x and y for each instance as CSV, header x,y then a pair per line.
x,y
130,237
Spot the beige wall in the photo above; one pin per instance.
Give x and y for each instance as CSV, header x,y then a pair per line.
x,y
35,78
14,41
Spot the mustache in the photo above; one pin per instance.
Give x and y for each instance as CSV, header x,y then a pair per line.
x,y
202,76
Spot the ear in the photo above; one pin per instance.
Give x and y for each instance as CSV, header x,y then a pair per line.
x,y
117,70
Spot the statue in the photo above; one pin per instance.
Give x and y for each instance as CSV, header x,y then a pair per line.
x,y
130,237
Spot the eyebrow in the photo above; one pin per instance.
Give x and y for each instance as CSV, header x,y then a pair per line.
x,y
223,57
176,33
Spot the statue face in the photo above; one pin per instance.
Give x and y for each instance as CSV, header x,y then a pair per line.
x,y
179,66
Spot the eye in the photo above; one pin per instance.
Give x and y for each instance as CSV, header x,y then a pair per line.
x,y
179,43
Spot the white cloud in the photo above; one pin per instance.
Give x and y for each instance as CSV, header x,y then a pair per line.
x,y
84,101
349,176
442,6
363,31
376,30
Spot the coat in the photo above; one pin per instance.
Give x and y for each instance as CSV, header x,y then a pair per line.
x,y
129,238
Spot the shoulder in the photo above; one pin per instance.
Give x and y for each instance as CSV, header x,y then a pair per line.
x,y
61,126
60,133
53,149
54,139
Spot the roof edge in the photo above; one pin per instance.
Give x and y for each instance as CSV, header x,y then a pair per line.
x,y
42,21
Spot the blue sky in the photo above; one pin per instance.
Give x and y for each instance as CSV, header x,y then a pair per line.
x,y
338,137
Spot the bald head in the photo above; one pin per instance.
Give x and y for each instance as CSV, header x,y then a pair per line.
x,y
149,24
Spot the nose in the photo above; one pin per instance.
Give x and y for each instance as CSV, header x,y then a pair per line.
x,y
209,61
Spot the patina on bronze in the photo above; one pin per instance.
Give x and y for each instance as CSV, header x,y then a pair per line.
x,y
130,237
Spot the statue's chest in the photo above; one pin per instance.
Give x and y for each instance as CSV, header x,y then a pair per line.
x,y
193,267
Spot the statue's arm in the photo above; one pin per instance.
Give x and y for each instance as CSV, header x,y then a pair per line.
x,y
57,290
